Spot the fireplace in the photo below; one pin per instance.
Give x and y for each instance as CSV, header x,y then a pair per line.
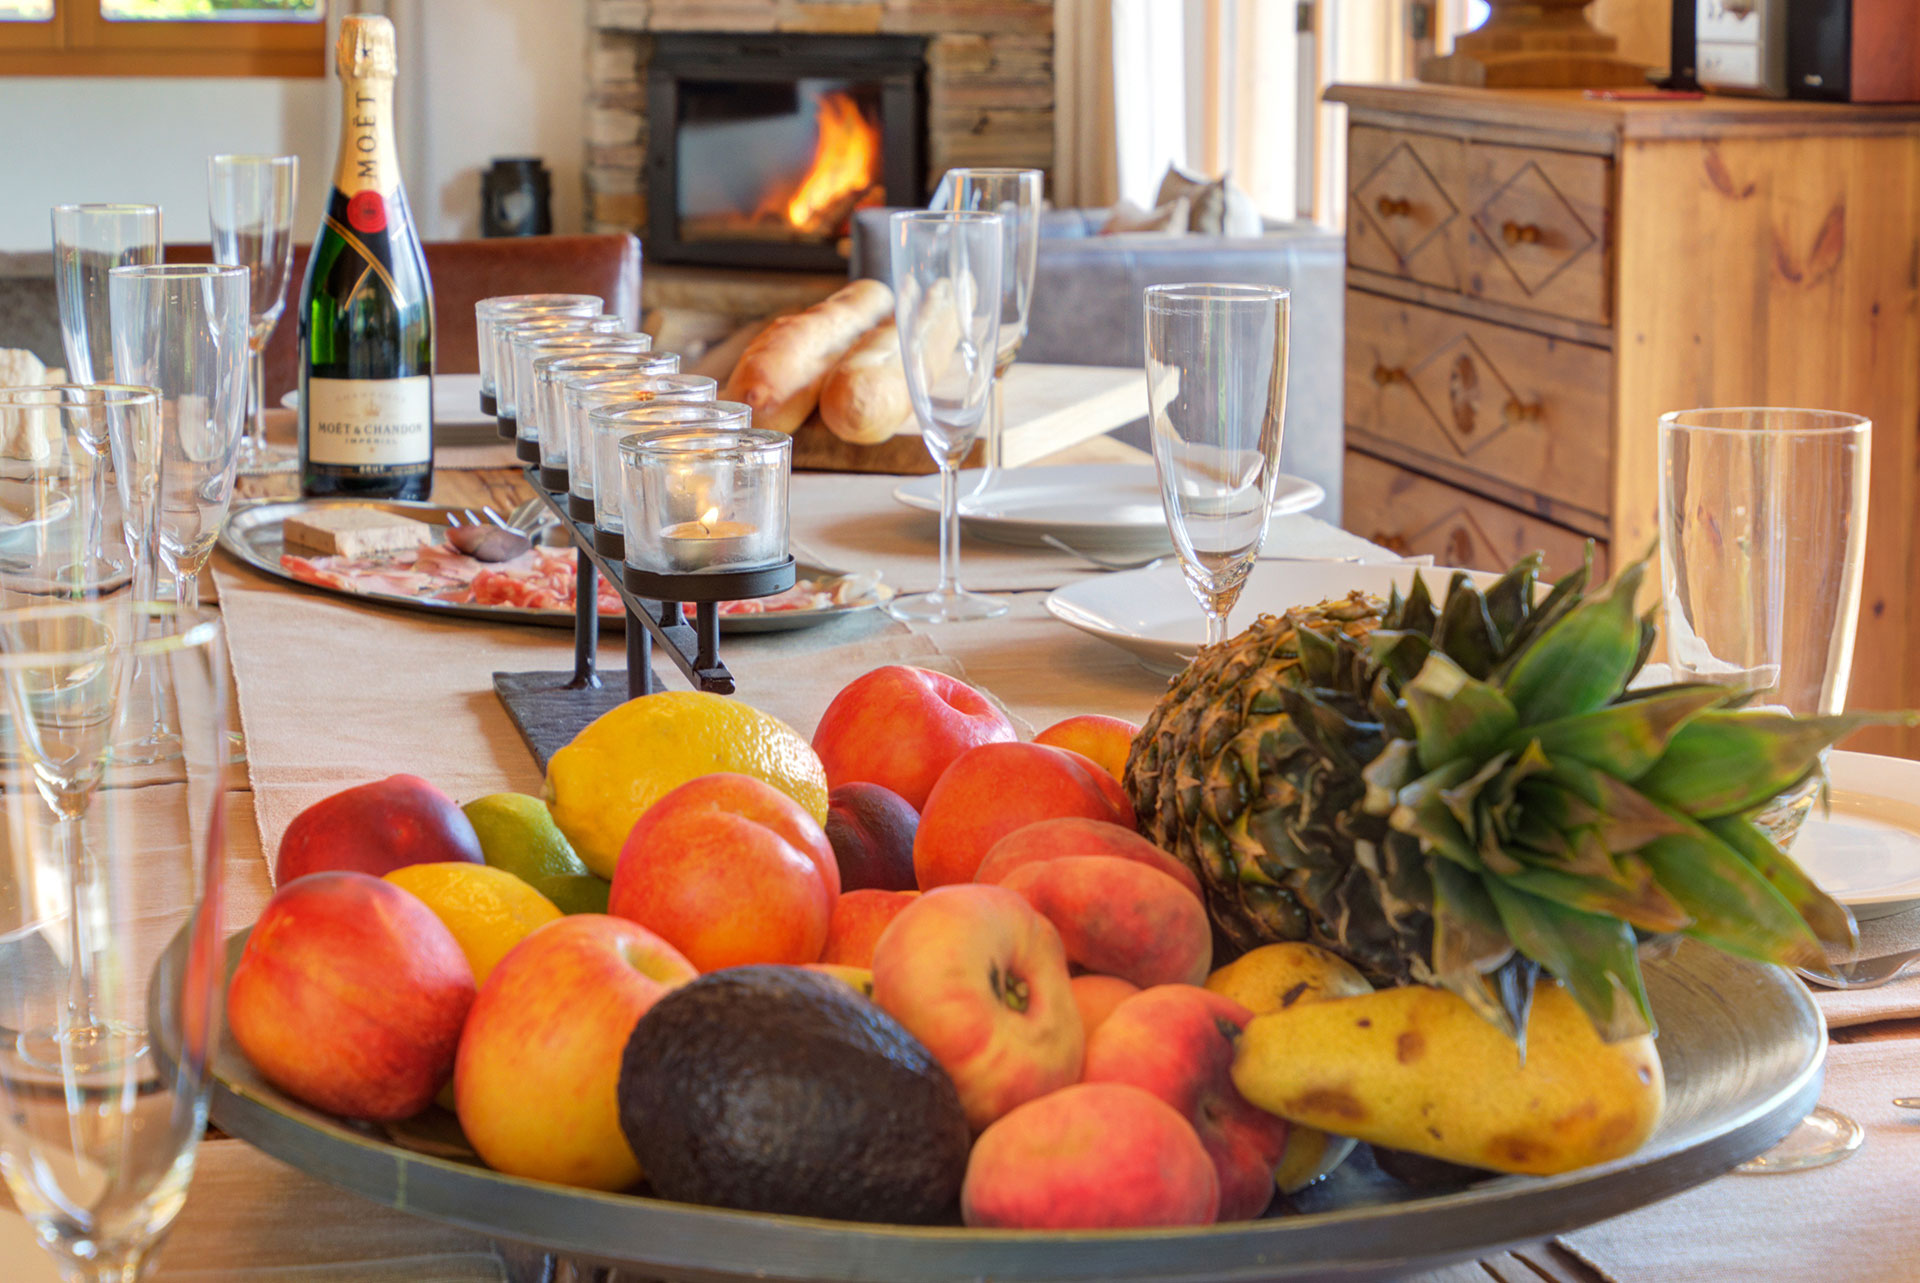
x,y
762,146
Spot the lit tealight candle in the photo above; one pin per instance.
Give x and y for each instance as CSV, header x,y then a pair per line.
x,y
709,543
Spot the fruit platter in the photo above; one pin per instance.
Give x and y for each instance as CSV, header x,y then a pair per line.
x,y
408,556
1401,930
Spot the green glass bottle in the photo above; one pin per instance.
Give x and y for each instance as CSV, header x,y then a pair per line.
x,y
366,308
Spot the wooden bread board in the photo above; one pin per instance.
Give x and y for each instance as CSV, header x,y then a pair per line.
x,y
1048,407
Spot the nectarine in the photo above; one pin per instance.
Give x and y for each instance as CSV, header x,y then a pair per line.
x,y
992,790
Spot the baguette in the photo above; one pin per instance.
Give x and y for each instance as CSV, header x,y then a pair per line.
x,y
780,373
864,398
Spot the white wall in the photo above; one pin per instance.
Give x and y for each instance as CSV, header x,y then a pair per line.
x,y
480,78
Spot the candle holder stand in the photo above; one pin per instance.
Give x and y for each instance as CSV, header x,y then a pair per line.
x,y
549,709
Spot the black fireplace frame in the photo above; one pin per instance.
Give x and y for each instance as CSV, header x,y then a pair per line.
x,y
898,63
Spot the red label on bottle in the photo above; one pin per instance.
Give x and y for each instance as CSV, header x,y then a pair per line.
x,y
366,212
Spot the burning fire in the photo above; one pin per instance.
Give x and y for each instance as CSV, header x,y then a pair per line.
x,y
846,164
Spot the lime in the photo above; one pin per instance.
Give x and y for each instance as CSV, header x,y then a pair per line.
x,y
517,833
576,892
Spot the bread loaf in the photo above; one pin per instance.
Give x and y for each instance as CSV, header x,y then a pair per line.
x,y
780,373
864,398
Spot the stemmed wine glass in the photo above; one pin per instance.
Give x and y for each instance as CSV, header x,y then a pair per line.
x,y
250,206
1216,394
1014,194
181,329
88,241
947,301
103,866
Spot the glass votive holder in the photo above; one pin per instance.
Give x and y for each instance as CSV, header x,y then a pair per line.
x,y
541,441
523,306
700,498
506,328
598,452
556,374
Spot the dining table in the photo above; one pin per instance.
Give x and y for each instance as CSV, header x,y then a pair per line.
x,y
333,692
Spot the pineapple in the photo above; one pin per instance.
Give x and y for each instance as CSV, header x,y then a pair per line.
x,y
1465,794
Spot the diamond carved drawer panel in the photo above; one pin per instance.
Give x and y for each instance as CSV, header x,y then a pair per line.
x,y
1533,229
1402,215
1415,515
1505,411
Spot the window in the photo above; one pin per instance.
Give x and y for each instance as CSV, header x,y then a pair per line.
x,y
162,38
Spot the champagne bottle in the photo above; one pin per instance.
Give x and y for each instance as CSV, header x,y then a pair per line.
x,y
366,308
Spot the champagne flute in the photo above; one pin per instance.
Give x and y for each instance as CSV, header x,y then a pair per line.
x,y
250,201
104,865
947,304
88,241
181,329
1216,393
1014,194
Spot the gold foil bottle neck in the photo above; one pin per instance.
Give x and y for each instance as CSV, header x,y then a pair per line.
x,y
365,49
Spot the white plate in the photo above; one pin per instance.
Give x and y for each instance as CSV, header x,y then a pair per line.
x,y
1094,507
1865,851
1153,614
456,410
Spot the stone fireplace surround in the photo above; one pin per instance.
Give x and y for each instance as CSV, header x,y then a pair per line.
x,y
989,80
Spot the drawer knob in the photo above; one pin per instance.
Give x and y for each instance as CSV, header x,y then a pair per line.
x,y
1394,206
1384,375
1520,233
1518,411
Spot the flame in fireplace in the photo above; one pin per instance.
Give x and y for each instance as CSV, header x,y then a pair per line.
x,y
846,164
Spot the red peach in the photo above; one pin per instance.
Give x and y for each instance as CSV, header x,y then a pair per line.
x,y
1071,835
980,978
729,871
350,995
1177,1042
859,918
871,829
1106,740
901,727
995,789
539,1069
1120,918
376,828
1097,996
1090,1156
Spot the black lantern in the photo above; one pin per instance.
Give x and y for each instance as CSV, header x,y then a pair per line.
x,y
516,198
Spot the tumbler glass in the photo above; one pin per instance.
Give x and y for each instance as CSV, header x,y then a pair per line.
x,y
111,931
89,241
1216,395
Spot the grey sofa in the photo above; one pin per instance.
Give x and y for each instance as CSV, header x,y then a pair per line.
x,y
1087,310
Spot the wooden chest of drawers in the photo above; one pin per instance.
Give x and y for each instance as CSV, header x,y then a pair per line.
x,y
1534,278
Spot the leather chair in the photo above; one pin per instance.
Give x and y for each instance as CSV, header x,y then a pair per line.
x,y
463,273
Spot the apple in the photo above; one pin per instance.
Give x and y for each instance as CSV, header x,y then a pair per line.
x,y
901,727
1177,1041
376,828
350,995
978,976
730,871
539,1066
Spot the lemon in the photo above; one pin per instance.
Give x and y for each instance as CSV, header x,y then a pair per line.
x,y
623,762
517,833
488,910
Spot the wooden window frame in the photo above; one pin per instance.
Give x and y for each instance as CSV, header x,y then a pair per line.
x,y
80,41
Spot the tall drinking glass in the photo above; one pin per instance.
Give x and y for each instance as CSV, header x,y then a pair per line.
x,y
1216,395
250,200
89,241
72,535
1014,194
105,866
947,307
1763,527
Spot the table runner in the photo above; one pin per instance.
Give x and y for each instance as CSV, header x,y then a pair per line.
x,y
1894,1001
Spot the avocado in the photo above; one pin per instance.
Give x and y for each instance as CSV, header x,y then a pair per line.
x,y
775,1089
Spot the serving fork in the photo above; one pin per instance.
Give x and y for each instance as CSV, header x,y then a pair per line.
x,y
1866,973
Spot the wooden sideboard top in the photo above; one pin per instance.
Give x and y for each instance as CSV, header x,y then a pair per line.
x,y
1600,125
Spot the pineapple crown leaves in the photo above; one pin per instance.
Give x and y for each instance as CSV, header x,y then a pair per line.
x,y
1565,817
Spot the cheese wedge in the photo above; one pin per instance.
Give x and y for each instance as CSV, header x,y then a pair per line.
x,y
354,531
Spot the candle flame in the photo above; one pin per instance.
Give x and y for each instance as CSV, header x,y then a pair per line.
x,y
708,518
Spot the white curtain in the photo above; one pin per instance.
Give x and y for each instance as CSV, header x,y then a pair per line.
x,y
1085,157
